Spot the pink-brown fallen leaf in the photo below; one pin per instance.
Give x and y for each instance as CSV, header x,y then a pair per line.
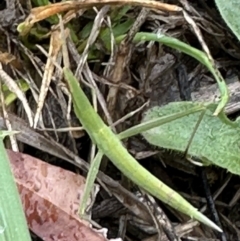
x,y
50,196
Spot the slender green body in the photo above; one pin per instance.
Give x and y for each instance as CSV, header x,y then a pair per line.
x,y
111,146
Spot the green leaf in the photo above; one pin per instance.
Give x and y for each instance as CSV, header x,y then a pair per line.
x,y
10,97
216,139
118,29
118,13
229,11
13,225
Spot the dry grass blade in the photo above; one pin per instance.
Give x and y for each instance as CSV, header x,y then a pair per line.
x,y
130,114
12,138
122,58
12,86
54,48
198,34
43,12
160,219
197,31
92,37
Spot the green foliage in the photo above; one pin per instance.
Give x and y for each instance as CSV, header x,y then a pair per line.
x,y
117,30
10,97
13,225
216,139
229,11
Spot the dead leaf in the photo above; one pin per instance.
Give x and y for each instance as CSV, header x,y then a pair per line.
x,y
7,58
50,197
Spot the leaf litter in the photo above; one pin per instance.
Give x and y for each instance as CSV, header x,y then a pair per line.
x,y
152,72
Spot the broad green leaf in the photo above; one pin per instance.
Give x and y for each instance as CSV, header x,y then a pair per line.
x,y
229,11
216,140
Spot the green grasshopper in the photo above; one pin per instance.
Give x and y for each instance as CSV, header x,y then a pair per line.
x,y
110,145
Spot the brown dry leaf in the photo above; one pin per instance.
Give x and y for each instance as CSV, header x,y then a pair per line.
x,y
39,13
50,197
7,58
